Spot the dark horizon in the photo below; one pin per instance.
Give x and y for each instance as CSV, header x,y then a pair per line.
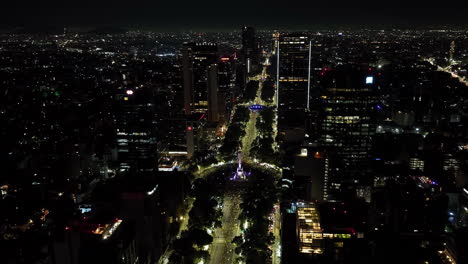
x,y
213,17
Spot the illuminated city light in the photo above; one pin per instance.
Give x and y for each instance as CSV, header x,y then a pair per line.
x,y
256,107
114,141
464,147
177,152
152,191
100,229
309,229
108,232
303,152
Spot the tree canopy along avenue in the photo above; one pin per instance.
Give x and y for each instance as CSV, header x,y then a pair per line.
x,y
253,132
231,218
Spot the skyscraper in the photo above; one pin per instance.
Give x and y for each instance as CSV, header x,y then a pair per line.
x,y
347,128
213,93
293,79
227,88
250,50
197,58
136,130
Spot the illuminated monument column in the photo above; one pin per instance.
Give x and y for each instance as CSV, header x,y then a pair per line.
x,y
240,171
239,174
452,52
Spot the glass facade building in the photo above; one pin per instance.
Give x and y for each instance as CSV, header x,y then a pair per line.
x,y
135,122
293,79
197,58
347,128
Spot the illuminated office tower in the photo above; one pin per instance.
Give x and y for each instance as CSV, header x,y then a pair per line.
x,y
136,131
227,89
347,128
197,57
293,84
250,49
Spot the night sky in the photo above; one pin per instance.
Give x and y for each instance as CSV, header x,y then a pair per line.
x,y
173,15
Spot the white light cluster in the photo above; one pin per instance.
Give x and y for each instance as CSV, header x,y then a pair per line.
x,y
152,191
111,229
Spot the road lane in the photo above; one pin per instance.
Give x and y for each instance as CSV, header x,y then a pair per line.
x,y
276,248
447,70
251,126
222,250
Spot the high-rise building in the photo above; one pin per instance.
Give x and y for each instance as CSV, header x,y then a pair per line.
x,y
197,58
250,49
214,111
227,89
347,128
293,79
202,96
194,132
327,229
136,131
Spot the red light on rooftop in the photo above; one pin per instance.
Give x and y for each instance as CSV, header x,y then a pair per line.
x,y
67,228
189,128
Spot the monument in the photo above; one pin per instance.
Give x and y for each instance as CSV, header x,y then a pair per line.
x,y
239,174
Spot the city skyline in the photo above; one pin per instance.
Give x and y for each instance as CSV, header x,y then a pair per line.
x,y
231,136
